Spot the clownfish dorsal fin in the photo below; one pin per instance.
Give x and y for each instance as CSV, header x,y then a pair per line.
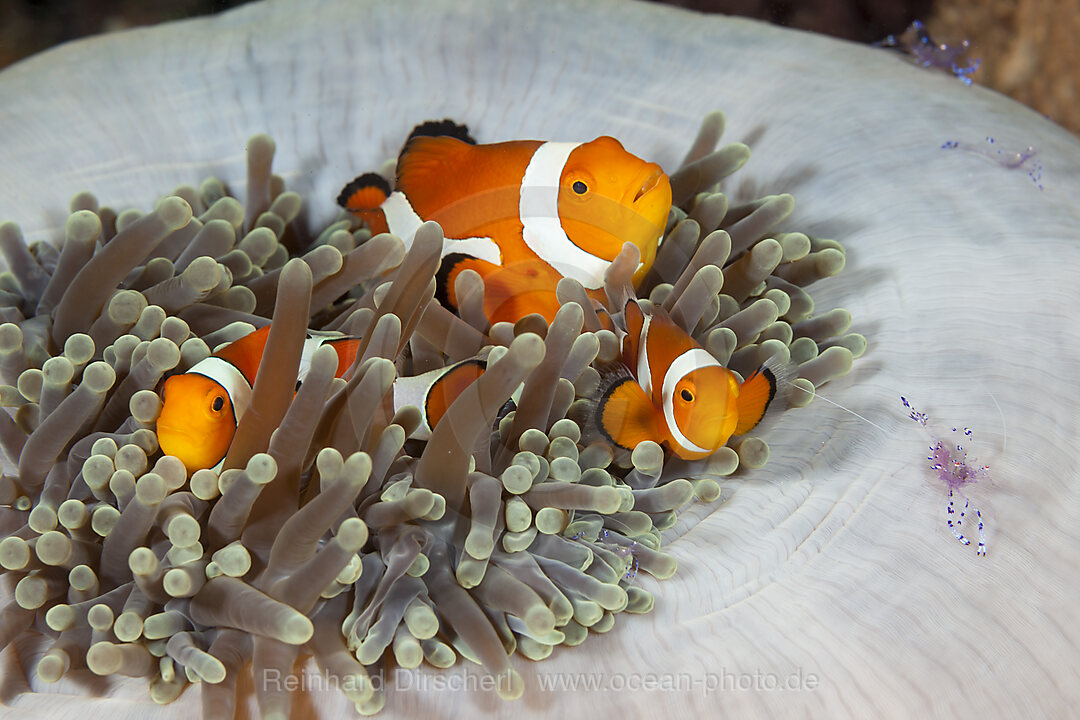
x,y
363,198
755,395
246,353
440,128
425,164
624,413
364,192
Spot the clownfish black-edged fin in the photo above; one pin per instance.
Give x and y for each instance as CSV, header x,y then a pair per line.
x,y
755,394
441,128
761,392
363,198
424,165
624,414
449,386
452,264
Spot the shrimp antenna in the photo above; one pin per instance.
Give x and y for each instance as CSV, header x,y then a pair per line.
x,y
1004,430
852,412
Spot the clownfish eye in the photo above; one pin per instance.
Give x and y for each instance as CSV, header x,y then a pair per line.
x,y
218,404
580,188
687,395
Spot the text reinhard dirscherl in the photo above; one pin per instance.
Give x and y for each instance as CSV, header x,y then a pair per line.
x,y
705,683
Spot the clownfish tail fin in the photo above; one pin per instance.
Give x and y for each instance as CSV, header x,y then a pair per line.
x,y
442,128
760,392
363,198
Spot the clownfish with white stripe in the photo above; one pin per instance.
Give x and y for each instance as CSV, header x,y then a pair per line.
x,y
676,393
201,407
522,214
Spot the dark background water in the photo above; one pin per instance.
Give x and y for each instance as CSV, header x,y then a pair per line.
x,y
1027,47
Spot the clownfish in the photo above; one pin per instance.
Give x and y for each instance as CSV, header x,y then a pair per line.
x,y
676,393
201,408
522,214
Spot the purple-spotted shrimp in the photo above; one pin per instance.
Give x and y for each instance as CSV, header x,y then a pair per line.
x,y
951,464
917,43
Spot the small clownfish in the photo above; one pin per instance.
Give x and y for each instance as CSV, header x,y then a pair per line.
x,y
522,214
201,407
677,394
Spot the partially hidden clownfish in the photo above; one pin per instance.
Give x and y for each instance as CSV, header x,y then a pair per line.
x,y
676,393
522,214
201,407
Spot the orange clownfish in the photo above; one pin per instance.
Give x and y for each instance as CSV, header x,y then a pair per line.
x,y
677,393
523,214
201,407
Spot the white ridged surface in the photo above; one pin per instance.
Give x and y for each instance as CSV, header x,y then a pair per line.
x,y
834,559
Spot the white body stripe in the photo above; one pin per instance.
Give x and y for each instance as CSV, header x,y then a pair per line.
x,y
644,372
413,390
543,231
313,342
686,363
225,374
403,221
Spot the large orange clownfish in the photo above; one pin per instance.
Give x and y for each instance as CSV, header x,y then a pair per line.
x,y
201,407
523,214
676,393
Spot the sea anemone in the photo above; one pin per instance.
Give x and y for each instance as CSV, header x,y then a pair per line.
x,y
325,534
831,561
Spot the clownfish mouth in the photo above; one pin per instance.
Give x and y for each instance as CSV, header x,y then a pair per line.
x,y
173,432
650,182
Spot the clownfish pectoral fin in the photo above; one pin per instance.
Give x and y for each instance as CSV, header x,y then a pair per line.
x,y
633,319
625,414
363,198
603,316
756,394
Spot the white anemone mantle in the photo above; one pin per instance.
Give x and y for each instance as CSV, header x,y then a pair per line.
x,y
833,561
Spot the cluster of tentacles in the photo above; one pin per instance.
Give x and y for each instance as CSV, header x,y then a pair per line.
x,y
329,532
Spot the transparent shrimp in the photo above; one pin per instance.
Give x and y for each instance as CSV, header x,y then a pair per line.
x,y
625,550
1023,159
952,465
917,43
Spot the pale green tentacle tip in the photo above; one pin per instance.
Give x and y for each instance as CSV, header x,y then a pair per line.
x,y
297,630
753,453
174,212
509,684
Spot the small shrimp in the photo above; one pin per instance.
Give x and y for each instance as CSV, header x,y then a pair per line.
x,y
950,461
625,552
625,549
953,467
917,43
1008,159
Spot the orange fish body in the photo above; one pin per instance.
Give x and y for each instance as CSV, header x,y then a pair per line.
x,y
201,407
679,395
522,214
